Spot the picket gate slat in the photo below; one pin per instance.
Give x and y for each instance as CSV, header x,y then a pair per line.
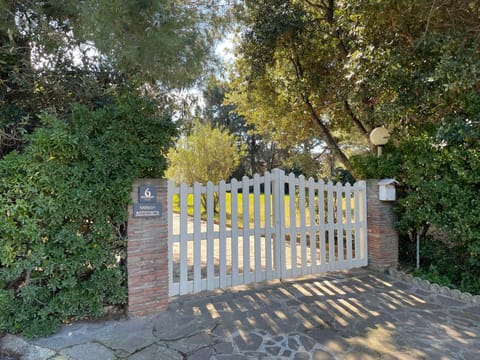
x,y
279,221
183,269
234,239
331,226
222,212
257,229
269,269
197,239
322,227
348,222
312,228
246,229
303,224
210,238
340,228
293,226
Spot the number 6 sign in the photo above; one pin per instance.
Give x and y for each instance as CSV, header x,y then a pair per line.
x,y
147,194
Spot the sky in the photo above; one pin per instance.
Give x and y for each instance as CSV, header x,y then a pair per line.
x,y
225,49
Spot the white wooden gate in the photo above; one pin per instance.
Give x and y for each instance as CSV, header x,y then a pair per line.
x,y
268,227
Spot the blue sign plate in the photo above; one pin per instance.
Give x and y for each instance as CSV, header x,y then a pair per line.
x,y
147,210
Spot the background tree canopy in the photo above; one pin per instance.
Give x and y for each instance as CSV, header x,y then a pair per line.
x,y
56,53
334,70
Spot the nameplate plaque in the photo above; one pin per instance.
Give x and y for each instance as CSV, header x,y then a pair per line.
x,y
147,210
147,205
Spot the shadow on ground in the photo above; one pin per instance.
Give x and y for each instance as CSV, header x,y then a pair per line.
x,y
357,314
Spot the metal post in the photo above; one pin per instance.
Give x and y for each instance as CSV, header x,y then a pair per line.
x,y
379,150
418,250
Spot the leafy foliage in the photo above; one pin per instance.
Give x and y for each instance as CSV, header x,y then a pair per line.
x,y
57,53
155,40
261,153
63,204
439,170
207,154
292,81
334,70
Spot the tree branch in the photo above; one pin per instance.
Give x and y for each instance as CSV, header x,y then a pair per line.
x,y
356,120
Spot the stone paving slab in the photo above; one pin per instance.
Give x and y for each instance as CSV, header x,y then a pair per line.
x,y
356,314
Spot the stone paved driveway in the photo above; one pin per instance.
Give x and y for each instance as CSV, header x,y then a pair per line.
x,y
359,314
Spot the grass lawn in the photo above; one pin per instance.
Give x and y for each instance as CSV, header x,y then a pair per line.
x,y
228,204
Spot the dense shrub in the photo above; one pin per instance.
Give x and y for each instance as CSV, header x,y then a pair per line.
x,y
63,207
439,171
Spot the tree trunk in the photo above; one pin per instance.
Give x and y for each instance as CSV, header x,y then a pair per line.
x,y
356,121
325,133
327,137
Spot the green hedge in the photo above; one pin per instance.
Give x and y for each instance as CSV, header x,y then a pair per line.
x,y
63,207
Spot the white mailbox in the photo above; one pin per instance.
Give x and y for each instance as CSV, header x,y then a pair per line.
x,y
387,189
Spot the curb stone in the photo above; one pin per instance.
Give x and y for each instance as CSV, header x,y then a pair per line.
x,y
436,288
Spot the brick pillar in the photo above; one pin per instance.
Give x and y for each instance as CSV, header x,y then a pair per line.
x,y
147,254
382,236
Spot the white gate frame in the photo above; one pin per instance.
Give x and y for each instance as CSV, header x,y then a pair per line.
x,y
204,255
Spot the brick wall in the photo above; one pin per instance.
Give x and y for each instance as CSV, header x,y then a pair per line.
x,y
147,255
382,236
